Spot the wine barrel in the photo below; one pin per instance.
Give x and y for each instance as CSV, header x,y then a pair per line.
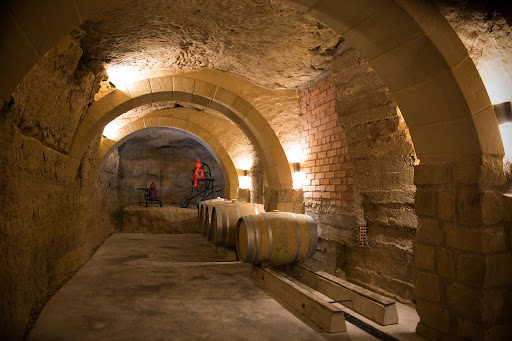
x,y
277,237
225,218
207,218
201,210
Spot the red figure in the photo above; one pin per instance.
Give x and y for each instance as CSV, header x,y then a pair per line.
x,y
198,175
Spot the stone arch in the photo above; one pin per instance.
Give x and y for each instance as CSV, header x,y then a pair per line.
x,y
208,141
408,43
188,90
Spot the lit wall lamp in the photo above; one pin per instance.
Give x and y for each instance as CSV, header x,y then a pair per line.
x,y
244,180
504,116
297,176
503,112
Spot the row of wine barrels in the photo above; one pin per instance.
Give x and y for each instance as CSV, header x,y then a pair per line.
x,y
277,237
201,207
225,218
207,219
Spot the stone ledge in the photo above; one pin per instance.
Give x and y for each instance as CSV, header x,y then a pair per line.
x,y
168,219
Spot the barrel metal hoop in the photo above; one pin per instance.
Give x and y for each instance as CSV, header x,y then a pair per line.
x,y
270,237
298,237
250,239
310,233
227,224
256,236
237,210
255,208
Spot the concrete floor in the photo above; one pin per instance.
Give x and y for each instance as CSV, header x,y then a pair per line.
x,y
175,287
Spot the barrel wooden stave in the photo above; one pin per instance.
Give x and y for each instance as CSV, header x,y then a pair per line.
x,y
201,211
225,218
277,237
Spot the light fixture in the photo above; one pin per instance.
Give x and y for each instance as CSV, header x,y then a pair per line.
x,y
296,167
503,112
297,176
244,180
504,116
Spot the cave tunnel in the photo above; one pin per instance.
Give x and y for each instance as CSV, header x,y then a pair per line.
x,y
386,123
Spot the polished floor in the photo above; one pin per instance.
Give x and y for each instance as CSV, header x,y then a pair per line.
x,y
176,287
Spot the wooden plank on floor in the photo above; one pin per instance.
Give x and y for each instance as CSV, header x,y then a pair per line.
x,y
371,305
324,314
228,254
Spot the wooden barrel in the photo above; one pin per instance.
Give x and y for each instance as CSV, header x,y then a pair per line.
x,y
201,209
277,237
225,218
207,218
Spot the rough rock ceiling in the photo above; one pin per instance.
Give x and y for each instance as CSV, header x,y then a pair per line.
x,y
264,41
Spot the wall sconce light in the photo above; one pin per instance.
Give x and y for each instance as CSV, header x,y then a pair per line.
x,y
296,167
242,172
504,116
503,112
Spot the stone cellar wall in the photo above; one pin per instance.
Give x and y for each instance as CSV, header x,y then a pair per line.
x,y
359,170
52,216
328,184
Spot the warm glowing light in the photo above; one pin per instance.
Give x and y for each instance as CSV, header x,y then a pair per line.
x,y
244,182
295,154
244,163
497,83
110,130
122,75
506,137
298,180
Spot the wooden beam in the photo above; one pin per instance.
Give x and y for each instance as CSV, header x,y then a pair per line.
x,y
315,308
377,308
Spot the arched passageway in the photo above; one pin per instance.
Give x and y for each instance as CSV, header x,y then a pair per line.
x,y
461,213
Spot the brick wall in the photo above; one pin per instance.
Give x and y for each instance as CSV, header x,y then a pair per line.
x,y
328,170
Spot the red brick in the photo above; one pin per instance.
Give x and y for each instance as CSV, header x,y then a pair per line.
x,y
324,182
330,188
319,162
347,196
325,168
335,166
319,175
310,176
308,194
315,182
317,194
329,175
315,123
320,188
322,127
316,149
326,195
312,131
341,188
321,155
329,131
331,153
335,181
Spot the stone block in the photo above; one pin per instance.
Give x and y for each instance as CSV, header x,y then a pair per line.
x,y
492,207
400,28
471,269
427,286
465,301
488,131
429,231
182,84
424,257
498,270
426,201
224,97
469,239
432,174
241,106
446,204
99,108
117,97
468,206
434,316
494,239
470,329
139,88
445,263
467,173
204,89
